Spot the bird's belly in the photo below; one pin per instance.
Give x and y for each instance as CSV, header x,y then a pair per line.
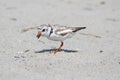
x,y
55,38
59,38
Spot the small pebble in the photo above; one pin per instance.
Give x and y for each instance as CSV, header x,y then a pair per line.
x,y
102,2
13,19
26,50
16,57
23,56
101,51
119,62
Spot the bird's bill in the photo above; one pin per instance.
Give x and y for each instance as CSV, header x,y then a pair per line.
x,y
38,35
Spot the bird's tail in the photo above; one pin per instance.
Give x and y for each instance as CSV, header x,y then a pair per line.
x,y
78,28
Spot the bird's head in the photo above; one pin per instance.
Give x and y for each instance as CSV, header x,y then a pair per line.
x,y
44,30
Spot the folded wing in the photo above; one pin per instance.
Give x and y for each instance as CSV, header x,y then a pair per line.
x,y
68,30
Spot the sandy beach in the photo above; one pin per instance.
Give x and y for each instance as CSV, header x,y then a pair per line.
x,y
92,54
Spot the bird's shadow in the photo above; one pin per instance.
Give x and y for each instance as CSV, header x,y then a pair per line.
x,y
51,50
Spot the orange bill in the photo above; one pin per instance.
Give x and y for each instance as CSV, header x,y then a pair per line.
x,y
38,35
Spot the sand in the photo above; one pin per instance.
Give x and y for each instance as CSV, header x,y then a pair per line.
x,y
92,54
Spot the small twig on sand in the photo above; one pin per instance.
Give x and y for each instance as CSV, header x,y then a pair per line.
x,y
87,34
27,29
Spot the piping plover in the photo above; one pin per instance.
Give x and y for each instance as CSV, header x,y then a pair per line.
x,y
57,33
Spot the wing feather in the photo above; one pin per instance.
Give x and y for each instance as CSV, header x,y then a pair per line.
x,y
63,32
66,30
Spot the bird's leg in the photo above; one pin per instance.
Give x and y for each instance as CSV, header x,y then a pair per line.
x,y
58,49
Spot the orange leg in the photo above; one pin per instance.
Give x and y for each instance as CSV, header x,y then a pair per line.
x,y
57,50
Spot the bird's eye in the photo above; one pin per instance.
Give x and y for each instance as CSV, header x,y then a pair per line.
x,y
43,30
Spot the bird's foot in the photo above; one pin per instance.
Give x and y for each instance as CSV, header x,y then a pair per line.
x,y
57,50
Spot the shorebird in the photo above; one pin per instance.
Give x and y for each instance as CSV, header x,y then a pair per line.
x,y
57,33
